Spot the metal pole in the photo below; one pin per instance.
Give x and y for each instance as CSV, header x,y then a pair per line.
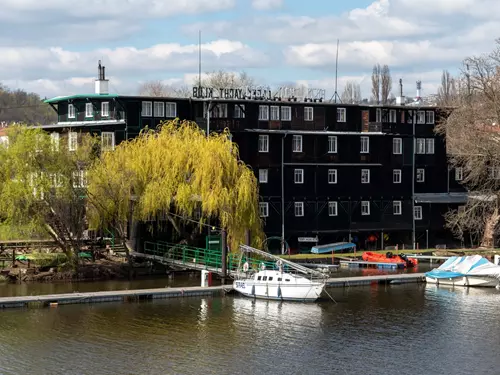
x,y
224,255
414,115
427,238
283,194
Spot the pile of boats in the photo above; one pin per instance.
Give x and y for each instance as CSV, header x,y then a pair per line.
x,y
389,257
465,271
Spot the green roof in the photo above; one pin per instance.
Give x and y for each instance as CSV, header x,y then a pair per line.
x,y
58,99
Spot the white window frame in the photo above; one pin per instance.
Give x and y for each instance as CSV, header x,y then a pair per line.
x,y
147,109
365,208
298,209
364,145
421,117
429,146
332,176
378,115
239,111
459,174
275,113
79,179
420,146
332,144
158,109
397,176
171,110
365,176
219,110
341,115
104,109
420,175
430,117
71,111
264,209
263,113
297,143
298,176
397,208
72,141
89,110
417,213
263,143
104,144
397,146
263,176
308,113
333,209
286,113
55,139
393,115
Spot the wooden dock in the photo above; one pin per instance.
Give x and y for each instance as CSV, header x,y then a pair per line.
x,y
366,264
394,279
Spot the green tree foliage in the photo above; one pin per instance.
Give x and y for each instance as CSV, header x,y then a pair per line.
x,y
24,107
173,172
42,185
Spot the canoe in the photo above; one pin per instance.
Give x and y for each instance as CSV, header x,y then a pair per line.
x,y
389,257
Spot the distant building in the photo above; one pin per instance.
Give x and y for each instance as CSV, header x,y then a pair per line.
x,y
328,172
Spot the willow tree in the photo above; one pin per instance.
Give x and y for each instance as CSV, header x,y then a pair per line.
x,y
172,173
42,185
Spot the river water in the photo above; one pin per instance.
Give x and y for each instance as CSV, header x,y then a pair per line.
x,y
398,329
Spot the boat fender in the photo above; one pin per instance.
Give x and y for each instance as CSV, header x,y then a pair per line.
x,y
262,266
279,292
245,267
253,290
279,263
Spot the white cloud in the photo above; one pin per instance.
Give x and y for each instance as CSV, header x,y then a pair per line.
x,y
266,4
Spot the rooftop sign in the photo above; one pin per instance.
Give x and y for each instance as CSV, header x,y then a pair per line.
x,y
259,93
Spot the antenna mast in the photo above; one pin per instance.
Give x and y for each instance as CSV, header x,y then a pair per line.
x,y
336,94
199,59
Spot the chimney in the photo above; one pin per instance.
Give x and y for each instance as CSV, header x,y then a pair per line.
x,y
101,83
419,88
400,100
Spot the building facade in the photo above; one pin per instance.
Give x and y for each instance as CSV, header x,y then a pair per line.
x,y
327,172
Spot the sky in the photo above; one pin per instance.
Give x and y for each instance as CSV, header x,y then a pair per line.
x,y
52,47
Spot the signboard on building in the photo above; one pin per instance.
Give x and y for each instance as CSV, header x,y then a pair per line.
x,y
259,93
308,239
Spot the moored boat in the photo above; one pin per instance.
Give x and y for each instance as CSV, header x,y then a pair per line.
x,y
389,257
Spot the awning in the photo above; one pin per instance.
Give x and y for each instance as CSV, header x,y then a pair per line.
x,y
460,198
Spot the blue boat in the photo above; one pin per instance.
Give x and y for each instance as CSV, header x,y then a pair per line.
x,y
332,247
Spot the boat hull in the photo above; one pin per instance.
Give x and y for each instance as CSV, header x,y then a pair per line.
x,y
482,281
277,291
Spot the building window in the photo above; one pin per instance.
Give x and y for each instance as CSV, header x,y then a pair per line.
x,y
420,149
365,176
89,110
72,141
159,109
332,209
429,146
104,109
308,113
365,145
147,109
107,141
430,117
396,176
171,110
54,141
263,174
71,111
219,111
410,117
79,179
263,143
299,209
397,146
332,144
420,175
341,115
332,176
298,176
421,117
397,208
275,113
239,111
297,143
286,113
263,113
378,115
264,209
392,116
459,174
417,213
365,208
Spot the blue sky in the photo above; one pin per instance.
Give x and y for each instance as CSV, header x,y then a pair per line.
x,y
52,46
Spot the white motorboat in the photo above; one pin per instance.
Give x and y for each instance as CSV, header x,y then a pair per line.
x,y
465,271
298,283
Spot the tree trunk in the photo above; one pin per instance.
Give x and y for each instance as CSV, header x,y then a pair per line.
x,y
489,230
129,260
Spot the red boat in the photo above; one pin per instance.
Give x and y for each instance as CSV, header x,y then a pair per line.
x,y
389,257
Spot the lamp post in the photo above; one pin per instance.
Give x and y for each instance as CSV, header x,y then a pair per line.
x,y
414,118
